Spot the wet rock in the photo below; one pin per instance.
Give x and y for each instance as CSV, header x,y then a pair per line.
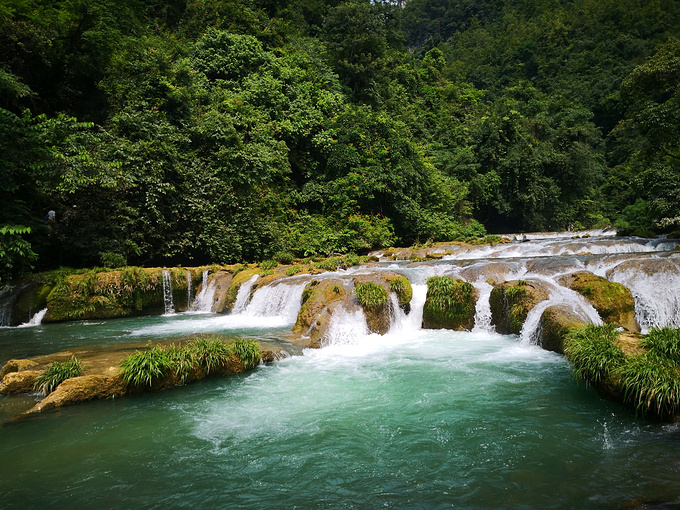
x,y
450,304
511,301
15,383
373,294
320,299
81,389
555,324
222,280
16,365
613,301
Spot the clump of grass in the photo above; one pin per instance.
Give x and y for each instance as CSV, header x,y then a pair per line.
x,y
651,382
267,265
370,295
293,270
57,372
402,288
449,302
665,342
205,353
592,352
330,264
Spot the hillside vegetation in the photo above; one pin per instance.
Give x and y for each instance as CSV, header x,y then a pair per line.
x,y
224,131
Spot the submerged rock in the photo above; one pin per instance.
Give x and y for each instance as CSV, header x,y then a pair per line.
x,y
450,304
511,302
613,301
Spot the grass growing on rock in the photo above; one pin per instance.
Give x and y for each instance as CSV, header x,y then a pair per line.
x,y
57,372
449,303
370,295
402,288
649,380
208,354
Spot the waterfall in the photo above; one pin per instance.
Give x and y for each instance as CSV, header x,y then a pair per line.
x,y
243,296
205,298
657,300
36,320
413,321
346,328
167,293
188,273
278,300
483,307
558,296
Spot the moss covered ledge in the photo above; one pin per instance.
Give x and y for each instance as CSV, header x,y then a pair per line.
x,y
132,370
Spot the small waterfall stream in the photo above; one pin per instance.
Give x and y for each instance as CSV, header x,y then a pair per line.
x,y
189,282
276,300
205,297
243,295
483,307
167,293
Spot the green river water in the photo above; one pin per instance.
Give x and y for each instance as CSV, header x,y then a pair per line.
x,y
421,419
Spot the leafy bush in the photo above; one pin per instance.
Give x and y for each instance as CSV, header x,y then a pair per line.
x,y
330,264
370,295
57,372
112,259
268,265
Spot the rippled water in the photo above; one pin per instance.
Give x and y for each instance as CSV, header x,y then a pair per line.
x,y
428,420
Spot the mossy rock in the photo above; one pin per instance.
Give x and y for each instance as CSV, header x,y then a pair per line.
x,y
555,324
318,303
450,304
222,280
373,294
511,302
109,294
613,301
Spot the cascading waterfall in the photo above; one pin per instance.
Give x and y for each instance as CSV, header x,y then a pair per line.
x,y
36,320
346,328
167,293
278,300
413,321
188,273
483,307
205,297
657,300
243,295
558,295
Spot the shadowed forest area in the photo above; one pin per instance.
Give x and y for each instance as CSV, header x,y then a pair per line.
x,y
146,132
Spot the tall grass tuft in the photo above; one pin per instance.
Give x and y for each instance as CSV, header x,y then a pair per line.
x,y
370,295
651,382
665,342
207,353
592,351
57,372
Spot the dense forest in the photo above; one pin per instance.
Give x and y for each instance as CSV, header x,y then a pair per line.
x,y
196,131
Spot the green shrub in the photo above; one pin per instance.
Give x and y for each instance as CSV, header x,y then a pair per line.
x,y
283,257
293,270
112,259
370,295
267,265
57,372
592,352
330,264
